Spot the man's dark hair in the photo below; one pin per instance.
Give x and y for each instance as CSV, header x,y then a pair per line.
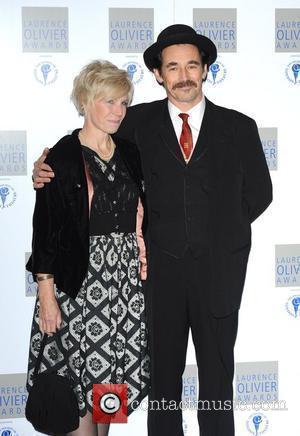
x,y
157,61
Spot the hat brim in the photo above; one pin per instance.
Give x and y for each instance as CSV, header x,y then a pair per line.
x,y
204,44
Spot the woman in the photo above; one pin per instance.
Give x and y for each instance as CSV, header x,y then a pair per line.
x,y
85,242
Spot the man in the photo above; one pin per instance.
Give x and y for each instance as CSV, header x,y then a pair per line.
x,y
206,180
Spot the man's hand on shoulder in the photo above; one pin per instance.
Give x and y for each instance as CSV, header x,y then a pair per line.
x,y
42,173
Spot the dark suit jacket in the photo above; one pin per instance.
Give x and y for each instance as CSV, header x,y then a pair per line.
x,y
60,243
239,188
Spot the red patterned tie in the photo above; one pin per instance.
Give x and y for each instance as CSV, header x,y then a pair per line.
x,y
186,137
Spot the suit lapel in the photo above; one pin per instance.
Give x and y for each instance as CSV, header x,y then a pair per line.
x,y
204,140
168,135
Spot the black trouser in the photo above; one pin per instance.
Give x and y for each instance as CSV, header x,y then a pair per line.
x,y
178,300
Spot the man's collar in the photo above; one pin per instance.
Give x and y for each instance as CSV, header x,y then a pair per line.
x,y
199,107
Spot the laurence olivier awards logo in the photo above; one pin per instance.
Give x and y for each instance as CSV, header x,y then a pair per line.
x,y
287,265
219,25
256,381
30,284
8,431
13,153
45,73
217,73
7,196
45,29
130,29
293,306
287,30
13,396
292,71
190,384
268,137
257,424
135,71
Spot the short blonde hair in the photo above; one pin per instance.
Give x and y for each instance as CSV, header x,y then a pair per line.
x,y
100,79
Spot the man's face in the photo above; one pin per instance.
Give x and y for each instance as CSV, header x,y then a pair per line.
x,y
182,75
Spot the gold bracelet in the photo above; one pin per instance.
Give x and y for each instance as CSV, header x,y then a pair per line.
x,y
44,277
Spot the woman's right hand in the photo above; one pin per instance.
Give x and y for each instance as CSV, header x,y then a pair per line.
x,y
49,315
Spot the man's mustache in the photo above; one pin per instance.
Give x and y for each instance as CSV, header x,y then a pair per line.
x,y
185,83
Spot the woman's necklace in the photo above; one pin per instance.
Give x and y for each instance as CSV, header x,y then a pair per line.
x,y
110,144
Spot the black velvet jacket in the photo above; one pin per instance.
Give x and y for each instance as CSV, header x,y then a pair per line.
x,y
60,243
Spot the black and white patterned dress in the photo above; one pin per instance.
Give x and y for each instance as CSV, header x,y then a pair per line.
x,y
104,328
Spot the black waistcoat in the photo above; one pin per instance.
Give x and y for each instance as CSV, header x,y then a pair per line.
x,y
178,194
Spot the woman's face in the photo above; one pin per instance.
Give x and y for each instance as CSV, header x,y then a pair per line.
x,y
106,114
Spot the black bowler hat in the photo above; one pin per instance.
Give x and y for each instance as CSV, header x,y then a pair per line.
x,y
179,34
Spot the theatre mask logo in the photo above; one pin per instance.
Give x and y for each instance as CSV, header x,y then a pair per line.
x,y
287,30
219,25
257,424
268,137
30,284
45,73
13,396
7,196
256,381
45,29
130,29
287,265
135,71
8,431
292,71
293,306
13,153
190,385
217,73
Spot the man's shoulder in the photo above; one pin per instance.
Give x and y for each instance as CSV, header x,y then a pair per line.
x,y
125,146
231,115
143,109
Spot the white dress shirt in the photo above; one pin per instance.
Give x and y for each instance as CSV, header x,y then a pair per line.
x,y
195,119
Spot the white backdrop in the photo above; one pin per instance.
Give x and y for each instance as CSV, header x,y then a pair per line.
x,y
257,82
